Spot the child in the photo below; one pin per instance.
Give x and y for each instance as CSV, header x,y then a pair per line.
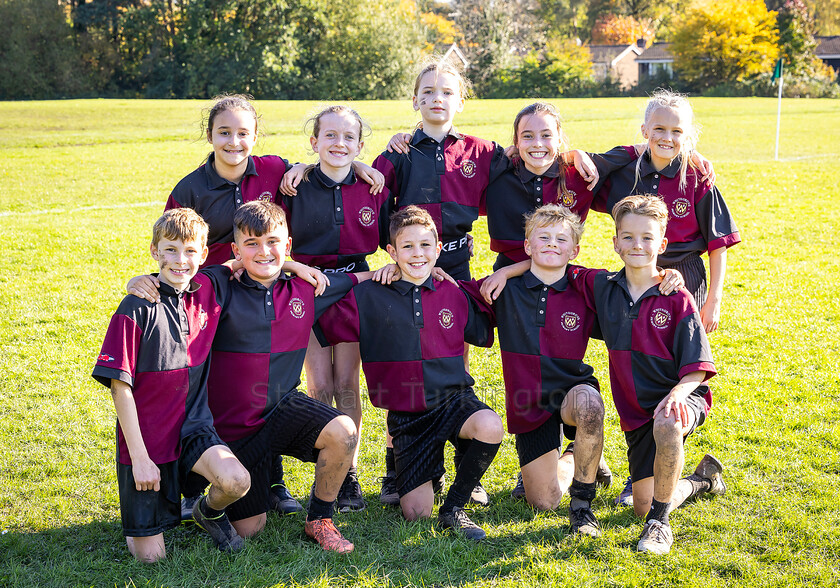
x,y
230,177
334,222
258,354
699,218
412,335
659,363
155,360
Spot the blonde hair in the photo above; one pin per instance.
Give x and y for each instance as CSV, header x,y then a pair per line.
x,y
438,64
642,205
662,98
180,224
548,110
554,214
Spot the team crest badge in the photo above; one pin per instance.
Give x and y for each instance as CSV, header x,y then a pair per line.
x,y
105,357
446,318
680,208
468,168
264,197
366,216
660,318
569,200
570,321
296,308
202,320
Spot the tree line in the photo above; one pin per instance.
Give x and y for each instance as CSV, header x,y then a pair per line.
x,y
367,49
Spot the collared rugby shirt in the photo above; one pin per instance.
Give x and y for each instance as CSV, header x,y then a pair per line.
x,y
517,192
411,339
216,199
335,225
543,334
698,218
652,343
161,351
449,180
260,345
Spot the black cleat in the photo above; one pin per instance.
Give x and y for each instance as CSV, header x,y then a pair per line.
x,y
389,495
479,496
350,494
281,500
584,522
518,491
710,469
219,528
459,522
187,505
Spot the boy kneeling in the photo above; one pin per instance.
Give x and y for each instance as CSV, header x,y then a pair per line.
x,y
411,334
154,359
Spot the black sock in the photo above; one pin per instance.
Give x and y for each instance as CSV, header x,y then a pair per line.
x,y
582,494
390,464
460,449
698,485
276,476
210,513
659,511
477,458
319,509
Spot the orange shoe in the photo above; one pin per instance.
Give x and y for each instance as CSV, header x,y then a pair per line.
x,y
324,532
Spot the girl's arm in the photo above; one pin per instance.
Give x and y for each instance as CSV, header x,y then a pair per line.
x,y
292,178
146,473
400,143
710,313
314,276
584,165
370,176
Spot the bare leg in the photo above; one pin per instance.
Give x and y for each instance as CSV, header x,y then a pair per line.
x,y
147,549
346,367
418,503
229,479
336,445
542,483
583,408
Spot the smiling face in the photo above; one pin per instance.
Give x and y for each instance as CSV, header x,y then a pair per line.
x,y
233,137
666,129
639,240
438,98
338,142
415,251
263,256
178,260
552,247
538,140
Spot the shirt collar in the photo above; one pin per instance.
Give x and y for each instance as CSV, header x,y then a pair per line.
x,y
250,282
404,287
620,278
669,171
328,182
526,176
419,136
533,282
167,290
214,180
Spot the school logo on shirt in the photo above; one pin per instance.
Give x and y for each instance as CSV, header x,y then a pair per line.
x,y
366,216
297,308
660,318
202,319
264,197
680,208
105,357
446,318
570,321
468,168
569,199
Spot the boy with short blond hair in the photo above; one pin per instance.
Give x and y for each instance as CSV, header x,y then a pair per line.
x,y
660,362
155,360
411,334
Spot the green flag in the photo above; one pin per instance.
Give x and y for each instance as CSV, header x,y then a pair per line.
x,y
777,72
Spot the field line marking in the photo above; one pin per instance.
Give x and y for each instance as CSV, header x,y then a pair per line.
x,y
81,209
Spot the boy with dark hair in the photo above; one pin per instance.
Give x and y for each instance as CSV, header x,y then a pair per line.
x,y
659,364
411,334
155,360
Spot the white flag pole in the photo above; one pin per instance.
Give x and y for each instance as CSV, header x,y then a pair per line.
x,y
779,115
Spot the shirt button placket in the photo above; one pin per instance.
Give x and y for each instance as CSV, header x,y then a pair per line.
x,y
418,308
238,197
538,188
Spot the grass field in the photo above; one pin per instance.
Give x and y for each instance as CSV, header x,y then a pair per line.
x,y
81,183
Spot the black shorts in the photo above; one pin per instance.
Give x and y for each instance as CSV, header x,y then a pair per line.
x,y
420,437
547,437
291,429
193,447
641,447
459,271
147,513
694,273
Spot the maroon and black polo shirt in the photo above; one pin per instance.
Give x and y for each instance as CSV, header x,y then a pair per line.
x,y
335,225
543,334
161,350
449,180
411,340
652,342
216,199
698,218
260,345
517,192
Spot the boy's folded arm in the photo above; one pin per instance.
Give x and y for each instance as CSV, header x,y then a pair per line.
x,y
493,285
310,274
146,473
145,287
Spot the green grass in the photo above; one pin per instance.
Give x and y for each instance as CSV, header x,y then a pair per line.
x,y
81,183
